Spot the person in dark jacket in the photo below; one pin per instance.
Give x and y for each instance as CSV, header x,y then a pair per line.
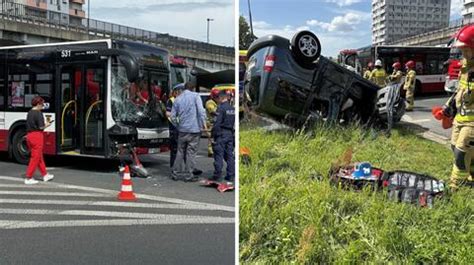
x,y
35,125
172,129
223,140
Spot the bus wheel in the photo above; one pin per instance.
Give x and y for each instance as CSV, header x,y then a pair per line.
x,y
306,47
20,150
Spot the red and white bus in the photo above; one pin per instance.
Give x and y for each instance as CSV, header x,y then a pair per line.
x,y
429,62
453,67
180,70
101,94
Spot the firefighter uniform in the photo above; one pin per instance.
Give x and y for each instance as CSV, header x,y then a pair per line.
x,y
462,138
396,76
409,87
223,135
367,74
211,109
379,77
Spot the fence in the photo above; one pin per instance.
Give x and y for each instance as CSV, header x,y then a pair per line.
x,y
454,24
96,28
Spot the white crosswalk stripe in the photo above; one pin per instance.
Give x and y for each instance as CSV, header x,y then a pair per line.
x,y
62,205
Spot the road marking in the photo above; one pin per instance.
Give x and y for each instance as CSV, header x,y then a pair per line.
x,y
23,186
106,203
21,224
409,119
209,206
100,214
46,193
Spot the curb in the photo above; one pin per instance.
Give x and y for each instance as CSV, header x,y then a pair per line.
x,y
429,135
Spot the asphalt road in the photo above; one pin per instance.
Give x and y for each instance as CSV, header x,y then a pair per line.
x,y
422,114
76,218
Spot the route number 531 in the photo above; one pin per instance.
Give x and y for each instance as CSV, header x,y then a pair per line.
x,y
65,53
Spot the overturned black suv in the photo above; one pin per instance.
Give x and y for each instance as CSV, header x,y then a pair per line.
x,y
291,80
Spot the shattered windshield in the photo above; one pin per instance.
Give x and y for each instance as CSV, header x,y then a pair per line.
x,y
141,103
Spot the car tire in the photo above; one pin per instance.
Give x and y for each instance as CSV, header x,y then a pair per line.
x,y
20,151
305,47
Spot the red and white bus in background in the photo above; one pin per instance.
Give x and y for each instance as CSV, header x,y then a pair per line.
x,y
102,95
180,70
453,67
429,63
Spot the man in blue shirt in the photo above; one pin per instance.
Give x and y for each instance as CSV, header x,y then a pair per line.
x,y
189,117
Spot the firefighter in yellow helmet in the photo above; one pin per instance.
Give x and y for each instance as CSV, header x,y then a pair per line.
x,y
211,109
409,85
397,74
370,67
378,75
462,138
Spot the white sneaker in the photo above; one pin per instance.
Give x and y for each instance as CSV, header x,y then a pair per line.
x,y
31,181
48,177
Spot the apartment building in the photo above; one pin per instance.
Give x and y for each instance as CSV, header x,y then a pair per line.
x,y
468,10
397,19
62,11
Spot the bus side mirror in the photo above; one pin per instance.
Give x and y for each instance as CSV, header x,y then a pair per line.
x,y
131,68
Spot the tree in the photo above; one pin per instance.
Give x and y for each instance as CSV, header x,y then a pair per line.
x,y
245,36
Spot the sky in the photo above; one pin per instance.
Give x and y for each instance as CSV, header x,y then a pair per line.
x,y
183,18
339,24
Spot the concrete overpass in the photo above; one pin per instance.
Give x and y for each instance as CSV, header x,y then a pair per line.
x,y
17,25
433,38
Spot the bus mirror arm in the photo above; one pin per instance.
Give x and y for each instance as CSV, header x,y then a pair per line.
x,y
128,60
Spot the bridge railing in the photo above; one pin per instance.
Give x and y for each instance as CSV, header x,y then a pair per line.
x,y
92,27
454,24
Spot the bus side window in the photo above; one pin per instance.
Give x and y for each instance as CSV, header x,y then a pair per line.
x,y
25,81
2,81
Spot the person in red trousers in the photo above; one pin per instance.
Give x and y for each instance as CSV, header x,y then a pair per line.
x,y
35,125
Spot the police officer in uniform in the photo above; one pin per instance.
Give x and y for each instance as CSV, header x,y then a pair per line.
x,y
409,85
172,129
397,74
223,139
211,109
367,73
378,75
462,138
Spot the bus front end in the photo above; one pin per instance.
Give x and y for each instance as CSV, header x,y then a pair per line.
x,y
140,87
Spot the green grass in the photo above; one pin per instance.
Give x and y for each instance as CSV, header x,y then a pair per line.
x,y
288,216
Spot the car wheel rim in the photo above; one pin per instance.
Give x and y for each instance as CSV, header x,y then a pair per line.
x,y
308,46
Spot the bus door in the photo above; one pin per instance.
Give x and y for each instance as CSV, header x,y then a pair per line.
x,y
82,110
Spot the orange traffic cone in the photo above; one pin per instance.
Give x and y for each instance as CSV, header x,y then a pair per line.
x,y
126,193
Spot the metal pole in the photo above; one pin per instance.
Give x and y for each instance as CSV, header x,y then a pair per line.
x,y
250,18
208,22
88,16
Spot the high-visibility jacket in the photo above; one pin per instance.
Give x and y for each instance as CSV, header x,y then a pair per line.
x,y
367,74
211,108
465,95
396,76
410,80
379,77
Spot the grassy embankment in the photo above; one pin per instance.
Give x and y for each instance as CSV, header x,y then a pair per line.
x,y
288,216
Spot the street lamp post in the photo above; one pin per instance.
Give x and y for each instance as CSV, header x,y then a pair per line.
x,y
208,21
250,18
88,17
